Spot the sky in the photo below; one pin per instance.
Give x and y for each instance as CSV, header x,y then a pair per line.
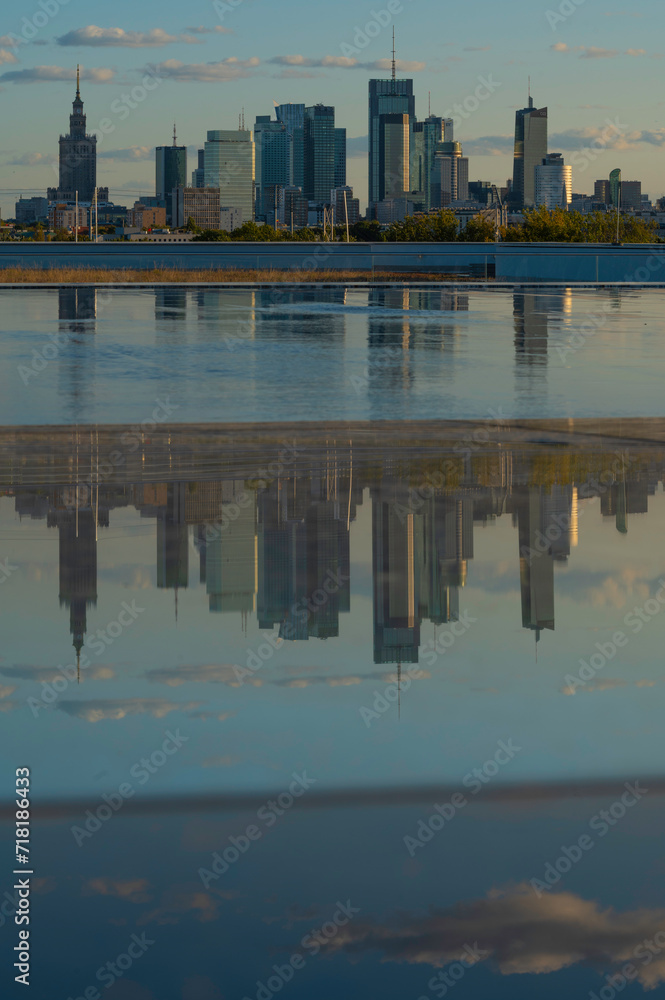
x,y
593,68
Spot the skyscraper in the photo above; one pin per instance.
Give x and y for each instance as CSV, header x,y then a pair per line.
x,y
198,175
386,97
78,156
319,152
293,117
229,166
170,171
450,176
425,138
554,182
530,150
273,148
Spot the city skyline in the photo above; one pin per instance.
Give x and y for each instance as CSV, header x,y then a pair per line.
x,y
565,60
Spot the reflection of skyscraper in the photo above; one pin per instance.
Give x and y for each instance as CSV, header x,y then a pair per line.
x,y
543,521
78,568
534,313
77,308
172,551
396,581
230,555
447,545
170,303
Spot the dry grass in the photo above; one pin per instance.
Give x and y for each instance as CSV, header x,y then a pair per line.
x,y
172,275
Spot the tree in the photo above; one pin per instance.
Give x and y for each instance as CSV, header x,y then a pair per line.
x,y
39,234
253,232
437,227
478,230
542,225
191,226
212,236
367,231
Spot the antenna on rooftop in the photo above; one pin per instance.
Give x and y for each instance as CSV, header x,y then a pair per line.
x,y
175,140
429,104
394,61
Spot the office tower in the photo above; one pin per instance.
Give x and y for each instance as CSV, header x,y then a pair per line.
x,y
172,535
293,117
229,166
78,157
450,180
601,192
425,138
631,195
396,582
31,209
554,182
273,164
615,188
170,172
293,208
530,150
536,558
387,97
78,568
202,205
198,175
345,207
319,152
340,157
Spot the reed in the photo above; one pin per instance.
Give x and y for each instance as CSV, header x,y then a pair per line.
x,y
173,275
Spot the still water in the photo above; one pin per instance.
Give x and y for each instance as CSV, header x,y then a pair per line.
x,y
347,719
82,355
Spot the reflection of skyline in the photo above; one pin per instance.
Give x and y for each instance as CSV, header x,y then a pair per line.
x,y
280,550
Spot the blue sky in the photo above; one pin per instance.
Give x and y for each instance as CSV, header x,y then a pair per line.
x,y
595,69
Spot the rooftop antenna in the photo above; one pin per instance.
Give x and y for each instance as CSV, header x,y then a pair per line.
x,y
174,135
429,103
530,98
394,61
78,82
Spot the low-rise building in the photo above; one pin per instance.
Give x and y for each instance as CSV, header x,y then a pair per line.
x,y
202,205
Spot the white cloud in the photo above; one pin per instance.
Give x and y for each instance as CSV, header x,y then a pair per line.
x,y
93,35
217,29
132,153
212,72
95,710
344,62
57,74
7,57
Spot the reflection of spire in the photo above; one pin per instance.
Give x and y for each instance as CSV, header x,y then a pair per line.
x,y
399,690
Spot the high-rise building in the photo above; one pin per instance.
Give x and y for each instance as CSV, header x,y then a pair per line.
x,y
530,150
229,166
631,195
345,207
273,149
31,209
202,205
615,188
450,179
394,137
554,182
601,192
198,175
78,157
319,152
293,117
425,137
170,171
386,97
340,157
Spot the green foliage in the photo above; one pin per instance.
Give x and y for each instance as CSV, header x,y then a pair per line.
x,y
478,230
191,226
212,236
367,231
557,226
39,234
437,227
253,232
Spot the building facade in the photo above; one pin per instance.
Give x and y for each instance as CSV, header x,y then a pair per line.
x,y
554,182
273,153
450,176
229,166
31,210
170,172
386,97
200,204
319,152
77,157
530,151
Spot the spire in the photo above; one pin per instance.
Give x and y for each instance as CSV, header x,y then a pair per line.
x,y
78,82
174,136
394,60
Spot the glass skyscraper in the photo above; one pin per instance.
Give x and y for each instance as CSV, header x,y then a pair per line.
x,y
530,151
273,156
229,165
386,97
319,152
